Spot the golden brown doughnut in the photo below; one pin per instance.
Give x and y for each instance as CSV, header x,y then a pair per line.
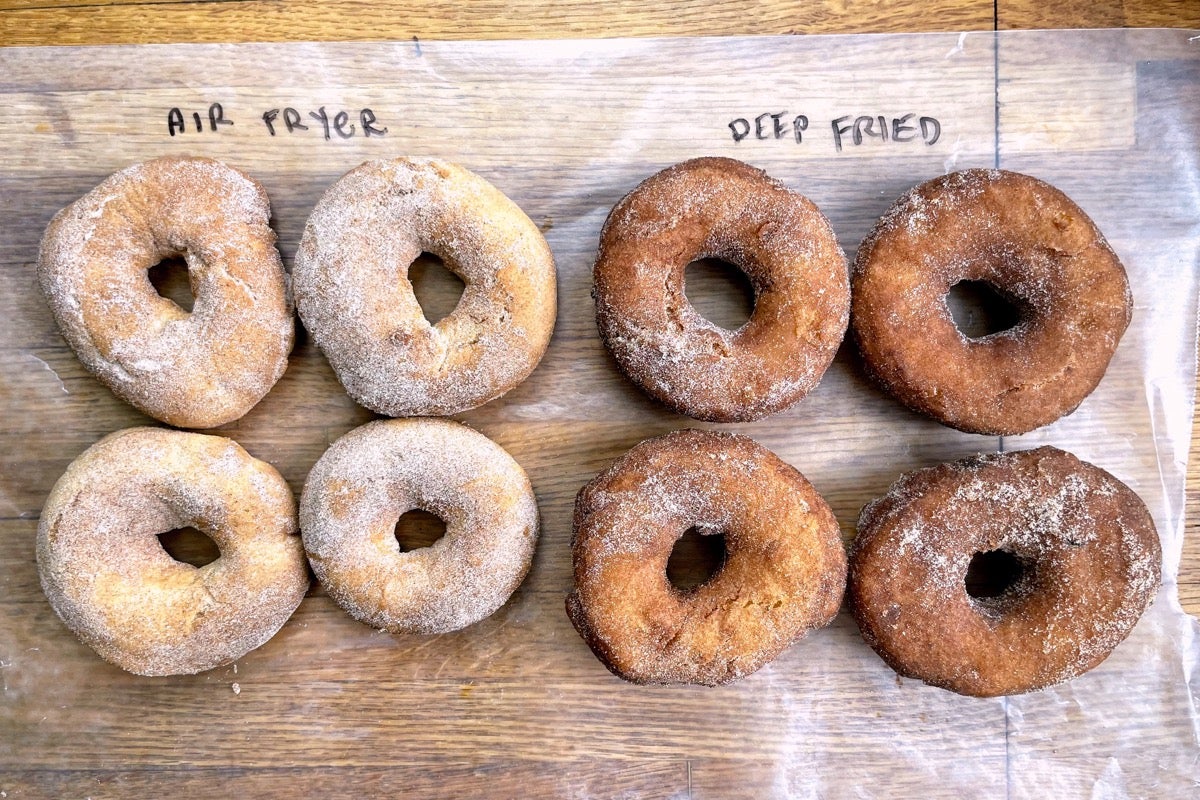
x,y
720,208
1089,560
1032,245
353,293
368,478
193,369
784,574
112,583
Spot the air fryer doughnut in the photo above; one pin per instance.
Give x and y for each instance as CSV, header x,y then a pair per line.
x,y
110,580
354,296
367,479
196,369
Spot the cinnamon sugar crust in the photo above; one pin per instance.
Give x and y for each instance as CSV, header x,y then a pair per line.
x,y
784,575
196,369
356,493
1029,242
354,296
1090,563
112,583
724,209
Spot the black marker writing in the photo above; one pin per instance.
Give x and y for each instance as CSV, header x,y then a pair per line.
x,y
216,119
367,118
931,130
770,125
175,121
864,128
339,122
799,126
216,116
291,118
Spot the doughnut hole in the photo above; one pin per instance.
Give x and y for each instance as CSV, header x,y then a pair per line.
x,y
417,529
720,292
189,546
172,280
980,310
696,559
995,576
436,288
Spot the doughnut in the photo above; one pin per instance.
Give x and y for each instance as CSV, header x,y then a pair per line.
x,y
110,580
1028,242
368,478
354,296
195,369
724,209
1087,560
784,573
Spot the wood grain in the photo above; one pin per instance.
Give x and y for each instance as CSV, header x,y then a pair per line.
x,y
1032,14
501,779
264,20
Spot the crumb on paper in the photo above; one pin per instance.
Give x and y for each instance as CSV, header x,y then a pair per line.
x,y
237,688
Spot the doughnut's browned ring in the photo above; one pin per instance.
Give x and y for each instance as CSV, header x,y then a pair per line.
x,y
1089,560
784,574
720,208
1029,242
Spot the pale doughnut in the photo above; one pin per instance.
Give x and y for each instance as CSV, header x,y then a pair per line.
x,y
110,580
192,370
368,478
354,296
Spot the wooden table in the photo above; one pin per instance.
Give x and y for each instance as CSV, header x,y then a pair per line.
x,y
60,22
116,21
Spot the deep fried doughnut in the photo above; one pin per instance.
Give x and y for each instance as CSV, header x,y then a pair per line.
x,y
784,575
1029,243
1088,560
724,209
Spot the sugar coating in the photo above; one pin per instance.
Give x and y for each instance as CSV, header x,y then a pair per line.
x,y
784,575
720,208
1033,245
197,369
109,579
354,296
356,493
1090,557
